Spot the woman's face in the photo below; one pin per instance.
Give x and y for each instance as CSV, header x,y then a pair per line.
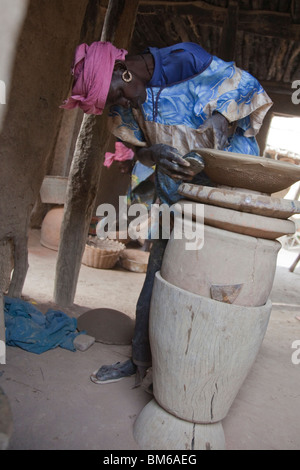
x,y
127,95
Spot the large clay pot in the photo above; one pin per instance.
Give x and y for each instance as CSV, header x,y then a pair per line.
x,y
202,351
50,229
230,267
203,348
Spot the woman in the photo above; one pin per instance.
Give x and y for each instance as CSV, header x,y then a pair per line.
x,y
165,103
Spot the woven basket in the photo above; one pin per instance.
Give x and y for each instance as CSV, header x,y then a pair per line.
x,y
122,236
102,254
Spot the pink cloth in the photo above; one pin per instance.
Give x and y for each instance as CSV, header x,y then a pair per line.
x,y
92,69
121,154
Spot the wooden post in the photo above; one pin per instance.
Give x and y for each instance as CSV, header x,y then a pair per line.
x,y
228,36
263,133
292,268
2,336
86,167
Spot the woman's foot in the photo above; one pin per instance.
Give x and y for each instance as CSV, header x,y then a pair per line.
x,y
114,372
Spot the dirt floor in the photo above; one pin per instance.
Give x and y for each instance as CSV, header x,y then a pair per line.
x,y
55,405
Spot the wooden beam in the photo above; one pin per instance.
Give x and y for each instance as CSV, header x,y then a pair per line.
x,y
297,260
280,88
84,178
229,32
295,8
269,24
261,22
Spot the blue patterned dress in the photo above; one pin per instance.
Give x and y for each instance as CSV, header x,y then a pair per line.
x,y
188,84
177,105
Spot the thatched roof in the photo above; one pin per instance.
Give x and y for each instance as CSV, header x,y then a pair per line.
x,y
261,36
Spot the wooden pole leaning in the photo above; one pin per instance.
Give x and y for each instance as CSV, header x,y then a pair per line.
x,y
85,172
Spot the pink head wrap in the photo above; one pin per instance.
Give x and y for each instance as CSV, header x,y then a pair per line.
x,y
121,154
92,69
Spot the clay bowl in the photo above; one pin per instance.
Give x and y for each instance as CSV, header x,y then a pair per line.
x,y
247,171
244,201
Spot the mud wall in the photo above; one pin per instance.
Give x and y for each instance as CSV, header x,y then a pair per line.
x,y
40,81
12,16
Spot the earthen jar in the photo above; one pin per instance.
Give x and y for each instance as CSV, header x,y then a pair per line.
x,y
202,350
50,229
230,267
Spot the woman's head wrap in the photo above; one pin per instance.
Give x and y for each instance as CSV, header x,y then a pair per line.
x,y
92,69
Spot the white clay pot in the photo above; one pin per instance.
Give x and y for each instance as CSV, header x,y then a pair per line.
x,y
229,267
202,351
50,229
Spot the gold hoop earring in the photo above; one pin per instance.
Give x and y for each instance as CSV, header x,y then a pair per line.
x,y
127,76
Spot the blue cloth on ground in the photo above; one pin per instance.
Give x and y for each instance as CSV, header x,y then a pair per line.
x,y
30,329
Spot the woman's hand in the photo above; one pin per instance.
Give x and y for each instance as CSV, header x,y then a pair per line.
x,y
219,124
169,160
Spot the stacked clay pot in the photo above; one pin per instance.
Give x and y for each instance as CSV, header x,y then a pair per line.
x,y
209,313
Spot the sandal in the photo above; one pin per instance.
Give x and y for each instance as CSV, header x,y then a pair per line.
x,y
113,373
